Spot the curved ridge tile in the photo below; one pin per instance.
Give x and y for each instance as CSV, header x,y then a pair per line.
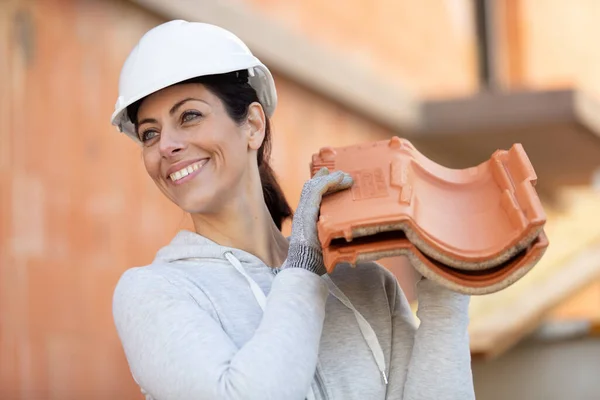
x,y
471,219
468,282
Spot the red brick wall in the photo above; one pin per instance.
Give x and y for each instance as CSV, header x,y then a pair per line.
x,y
426,45
77,208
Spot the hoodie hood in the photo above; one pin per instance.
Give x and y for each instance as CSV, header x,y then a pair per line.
x,y
190,245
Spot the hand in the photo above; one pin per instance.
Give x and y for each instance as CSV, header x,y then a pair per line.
x,y
305,249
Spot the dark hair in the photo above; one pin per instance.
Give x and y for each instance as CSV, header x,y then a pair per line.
x,y
236,94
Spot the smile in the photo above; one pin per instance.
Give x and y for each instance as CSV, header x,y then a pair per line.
x,y
190,169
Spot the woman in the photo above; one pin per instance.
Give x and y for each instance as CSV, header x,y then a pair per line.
x,y
235,310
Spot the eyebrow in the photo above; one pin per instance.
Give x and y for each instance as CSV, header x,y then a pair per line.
x,y
172,111
176,106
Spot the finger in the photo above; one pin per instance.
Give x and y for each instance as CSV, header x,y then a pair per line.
x,y
347,181
338,182
322,172
313,192
315,182
314,189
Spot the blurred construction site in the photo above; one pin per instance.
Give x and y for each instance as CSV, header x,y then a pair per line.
x,y
458,78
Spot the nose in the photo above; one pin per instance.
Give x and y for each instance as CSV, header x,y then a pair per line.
x,y
170,143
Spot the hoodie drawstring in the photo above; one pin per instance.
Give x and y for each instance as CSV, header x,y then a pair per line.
x,y
256,290
366,330
259,295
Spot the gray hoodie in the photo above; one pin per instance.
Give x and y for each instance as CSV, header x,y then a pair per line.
x,y
205,321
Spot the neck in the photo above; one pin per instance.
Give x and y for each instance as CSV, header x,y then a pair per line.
x,y
245,224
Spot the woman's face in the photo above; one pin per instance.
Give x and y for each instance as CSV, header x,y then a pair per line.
x,y
195,153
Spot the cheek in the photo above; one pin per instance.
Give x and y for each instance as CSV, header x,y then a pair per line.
x,y
230,149
152,163
235,155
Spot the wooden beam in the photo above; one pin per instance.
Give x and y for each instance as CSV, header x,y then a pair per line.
x,y
557,330
487,112
493,111
320,69
587,110
571,263
496,333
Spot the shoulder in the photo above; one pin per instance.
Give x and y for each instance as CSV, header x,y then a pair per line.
x,y
366,273
136,287
368,278
158,276
164,285
139,280
141,289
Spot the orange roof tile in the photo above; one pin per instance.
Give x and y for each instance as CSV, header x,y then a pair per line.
x,y
485,221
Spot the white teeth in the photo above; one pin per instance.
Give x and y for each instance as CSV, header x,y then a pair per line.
x,y
175,176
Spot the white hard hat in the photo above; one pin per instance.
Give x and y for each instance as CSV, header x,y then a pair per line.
x,y
179,50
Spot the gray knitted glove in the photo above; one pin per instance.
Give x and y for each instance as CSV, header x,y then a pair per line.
x,y
305,249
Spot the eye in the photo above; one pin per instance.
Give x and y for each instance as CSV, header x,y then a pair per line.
x,y
189,116
147,135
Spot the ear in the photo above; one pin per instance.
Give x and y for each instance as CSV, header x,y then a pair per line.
x,y
257,124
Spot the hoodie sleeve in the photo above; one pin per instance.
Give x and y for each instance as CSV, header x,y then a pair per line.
x,y
440,365
177,351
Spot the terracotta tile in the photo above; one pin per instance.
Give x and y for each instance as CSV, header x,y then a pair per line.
x,y
472,219
405,274
475,230
474,282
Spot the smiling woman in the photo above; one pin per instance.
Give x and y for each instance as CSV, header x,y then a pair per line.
x,y
206,123
234,310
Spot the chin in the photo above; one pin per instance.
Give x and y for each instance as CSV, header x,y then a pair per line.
x,y
196,199
193,206
197,204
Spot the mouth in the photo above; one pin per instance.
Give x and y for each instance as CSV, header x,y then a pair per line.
x,y
188,172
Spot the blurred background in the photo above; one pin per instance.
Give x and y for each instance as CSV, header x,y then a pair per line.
x,y
459,78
